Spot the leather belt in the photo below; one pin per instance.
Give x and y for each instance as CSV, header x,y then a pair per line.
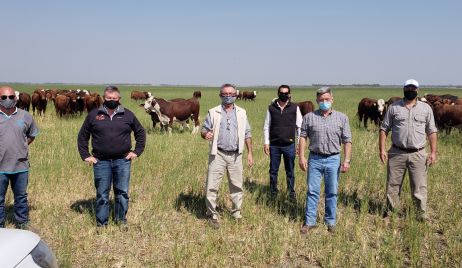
x,y
227,152
408,150
323,155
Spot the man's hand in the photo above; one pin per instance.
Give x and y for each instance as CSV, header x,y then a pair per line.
x,y
345,167
250,159
383,156
431,158
91,160
266,149
302,162
209,136
131,156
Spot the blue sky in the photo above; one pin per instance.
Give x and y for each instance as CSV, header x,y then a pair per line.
x,y
242,42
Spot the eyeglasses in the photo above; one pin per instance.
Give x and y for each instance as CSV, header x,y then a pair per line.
x,y
11,97
228,122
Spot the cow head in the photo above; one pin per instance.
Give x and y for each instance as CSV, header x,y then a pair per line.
x,y
255,93
17,94
151,105
381,106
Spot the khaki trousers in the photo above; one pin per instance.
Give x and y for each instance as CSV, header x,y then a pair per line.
x,y
219,164
398,162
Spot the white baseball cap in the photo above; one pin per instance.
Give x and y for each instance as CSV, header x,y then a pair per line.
x,y
411,82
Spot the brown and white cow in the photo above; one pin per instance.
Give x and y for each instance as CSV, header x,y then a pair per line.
x,y
170,111
371,109
155,118
138,95
249,95
23,100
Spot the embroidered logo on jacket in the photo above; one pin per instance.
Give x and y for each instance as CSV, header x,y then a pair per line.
x,y
100,117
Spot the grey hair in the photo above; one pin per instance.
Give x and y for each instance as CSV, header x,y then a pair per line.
x,y
228,85
111,89
323,90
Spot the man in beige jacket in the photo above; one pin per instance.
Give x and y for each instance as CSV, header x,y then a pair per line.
x,y
227,129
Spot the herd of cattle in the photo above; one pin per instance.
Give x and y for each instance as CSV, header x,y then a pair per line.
x,y
65,101
447,110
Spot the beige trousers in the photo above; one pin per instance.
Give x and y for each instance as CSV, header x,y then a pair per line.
x,y
218,165
398,162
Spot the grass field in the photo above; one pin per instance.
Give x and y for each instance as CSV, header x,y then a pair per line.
x,y
167,220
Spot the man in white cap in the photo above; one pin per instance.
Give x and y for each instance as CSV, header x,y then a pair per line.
x,y
411,122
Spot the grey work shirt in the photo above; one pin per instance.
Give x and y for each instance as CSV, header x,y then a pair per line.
x,y
326,133
409,127
14,150
227,137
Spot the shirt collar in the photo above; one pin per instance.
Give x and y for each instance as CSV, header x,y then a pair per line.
x,y
15,112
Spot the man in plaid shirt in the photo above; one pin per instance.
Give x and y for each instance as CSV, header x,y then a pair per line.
x,y
326,130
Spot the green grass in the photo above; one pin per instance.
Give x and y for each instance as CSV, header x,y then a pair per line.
x,y
167,212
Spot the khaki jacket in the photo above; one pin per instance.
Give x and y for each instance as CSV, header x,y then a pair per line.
x,y
215,116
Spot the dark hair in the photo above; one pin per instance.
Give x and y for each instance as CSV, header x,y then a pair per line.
x,y
283,86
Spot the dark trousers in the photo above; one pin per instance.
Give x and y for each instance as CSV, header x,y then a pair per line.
x,y
288,154
19,183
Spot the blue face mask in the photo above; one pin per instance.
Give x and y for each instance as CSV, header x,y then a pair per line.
x,y
227,99
325,105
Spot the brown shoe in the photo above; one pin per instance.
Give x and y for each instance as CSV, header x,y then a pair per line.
x,y
214,223
331,229
306,229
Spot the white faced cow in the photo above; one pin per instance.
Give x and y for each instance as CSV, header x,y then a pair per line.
x,y
169,111
371,109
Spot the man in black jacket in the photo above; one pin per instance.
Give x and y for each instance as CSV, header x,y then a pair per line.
x,y
110,127
281,129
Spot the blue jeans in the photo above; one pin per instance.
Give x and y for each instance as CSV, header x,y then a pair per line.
x,y
107,172
329,168
19,183
288,153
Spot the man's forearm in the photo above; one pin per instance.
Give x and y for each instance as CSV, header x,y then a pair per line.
x,y
432,141
382,139
347,152
248,144
301,146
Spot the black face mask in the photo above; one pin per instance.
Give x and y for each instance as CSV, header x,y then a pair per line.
x,y
111,104
283,97
410,95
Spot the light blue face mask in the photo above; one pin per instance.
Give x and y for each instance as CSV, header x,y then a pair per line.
x,y
325,105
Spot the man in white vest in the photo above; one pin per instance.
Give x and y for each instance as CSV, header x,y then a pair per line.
x,y
227,129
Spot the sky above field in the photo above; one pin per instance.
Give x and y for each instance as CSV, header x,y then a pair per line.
x,y
241,42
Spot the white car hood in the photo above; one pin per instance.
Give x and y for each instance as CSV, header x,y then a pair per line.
x,y
15,245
